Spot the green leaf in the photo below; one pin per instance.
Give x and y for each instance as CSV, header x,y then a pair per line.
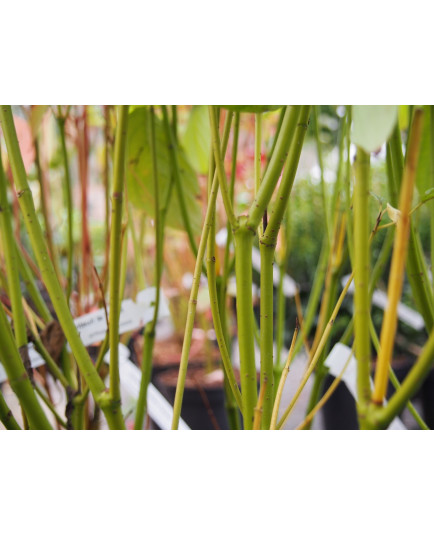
x,y
373,125
197,139
427,196
423,176
139,172
253,109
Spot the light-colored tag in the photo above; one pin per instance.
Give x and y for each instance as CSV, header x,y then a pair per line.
x,y
159,409
336,361
92,327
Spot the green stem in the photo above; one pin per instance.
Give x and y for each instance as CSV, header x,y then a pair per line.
x,y
192,305
269,238
149,338
243,271
274,168
69,206
431,118
116,252
55,291
221,174
266,333
361,278
226,263
45,213
32,288
395,382
321,167
381,417
212,287
12,272
18,378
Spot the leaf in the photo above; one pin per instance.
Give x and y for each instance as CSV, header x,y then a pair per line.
x,y
373,125
139,172
424,170
197,139
253,109
393,213
427,196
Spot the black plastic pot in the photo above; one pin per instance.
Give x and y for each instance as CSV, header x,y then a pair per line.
x,y
203,408
340,410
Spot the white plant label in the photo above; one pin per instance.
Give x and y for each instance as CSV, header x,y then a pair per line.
x,y
92,327
159,409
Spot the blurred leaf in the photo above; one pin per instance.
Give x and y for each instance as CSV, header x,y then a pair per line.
x,y
427,196
423,176
139,172
404,116
36,115
373,125
253,109
197,139
393,213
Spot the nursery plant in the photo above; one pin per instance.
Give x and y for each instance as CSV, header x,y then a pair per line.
x,y
172,167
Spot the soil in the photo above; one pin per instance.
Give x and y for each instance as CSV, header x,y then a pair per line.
x,y
195,376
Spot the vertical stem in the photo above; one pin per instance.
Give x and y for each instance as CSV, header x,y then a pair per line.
x,y
267,332
431,118
115,251
148,343
69,207
106,182
243,270
396,277
361,279
321,167
12,271
416,267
